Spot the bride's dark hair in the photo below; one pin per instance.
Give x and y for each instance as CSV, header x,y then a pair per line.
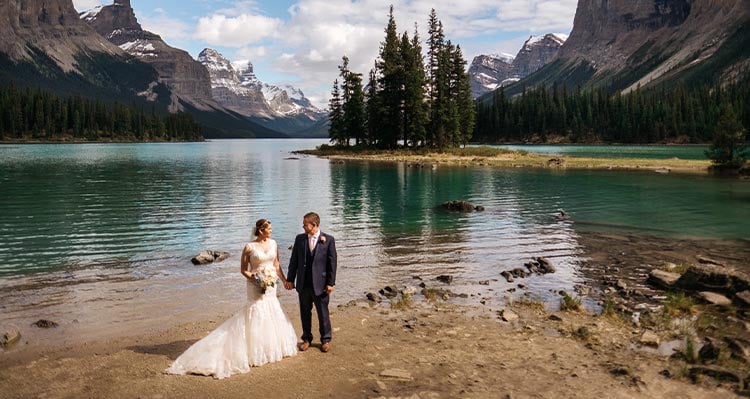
x,y
261,224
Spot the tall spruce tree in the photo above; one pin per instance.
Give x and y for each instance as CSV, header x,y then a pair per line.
x,y
463,98
336,116
435,44
415,108
391,84
373,110
728,148
354,109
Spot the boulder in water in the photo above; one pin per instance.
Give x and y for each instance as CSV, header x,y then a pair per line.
x,y
461,206
209,256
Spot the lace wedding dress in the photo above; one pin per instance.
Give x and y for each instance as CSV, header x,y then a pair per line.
x,y
259,333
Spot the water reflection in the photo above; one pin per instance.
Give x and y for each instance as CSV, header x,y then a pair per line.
x,y
103,234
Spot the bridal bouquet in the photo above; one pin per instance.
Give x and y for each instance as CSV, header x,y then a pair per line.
x,y
265,278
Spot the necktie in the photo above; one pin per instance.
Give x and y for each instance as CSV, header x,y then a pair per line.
x,y
312,243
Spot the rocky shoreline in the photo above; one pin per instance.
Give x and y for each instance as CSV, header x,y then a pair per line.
x,y
642,342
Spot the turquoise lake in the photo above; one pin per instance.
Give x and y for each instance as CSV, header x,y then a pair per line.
x,y
103,233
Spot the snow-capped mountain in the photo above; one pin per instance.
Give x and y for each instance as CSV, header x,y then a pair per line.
x,y
488,72
236,86
537,52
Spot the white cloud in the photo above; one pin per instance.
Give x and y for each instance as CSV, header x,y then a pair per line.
x,y
308,46
173,31
321,31
252,53
236,31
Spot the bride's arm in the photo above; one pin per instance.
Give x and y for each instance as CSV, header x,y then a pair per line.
x,y
244,263
277,264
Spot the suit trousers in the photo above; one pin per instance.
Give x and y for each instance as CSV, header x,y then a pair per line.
x,y
307,299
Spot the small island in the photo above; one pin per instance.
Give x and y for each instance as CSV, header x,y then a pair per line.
x,y
504,158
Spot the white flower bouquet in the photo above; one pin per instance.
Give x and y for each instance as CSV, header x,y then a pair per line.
x,y
265,278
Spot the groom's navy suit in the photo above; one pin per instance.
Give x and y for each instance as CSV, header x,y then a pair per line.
x,y
311,272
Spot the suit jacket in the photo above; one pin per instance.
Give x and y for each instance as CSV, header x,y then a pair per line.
x,y
323,263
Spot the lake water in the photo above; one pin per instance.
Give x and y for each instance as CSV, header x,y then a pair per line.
x,y
99,236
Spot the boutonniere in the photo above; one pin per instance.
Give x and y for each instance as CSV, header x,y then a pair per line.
x,y
322,238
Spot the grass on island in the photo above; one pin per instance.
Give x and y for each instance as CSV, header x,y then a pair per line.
x,y
502,157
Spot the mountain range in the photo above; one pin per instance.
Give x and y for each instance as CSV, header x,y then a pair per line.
x,y
236,87
488,72
104,53
626,44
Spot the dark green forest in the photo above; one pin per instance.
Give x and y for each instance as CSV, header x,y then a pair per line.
x,y
676,114
405,103
37,114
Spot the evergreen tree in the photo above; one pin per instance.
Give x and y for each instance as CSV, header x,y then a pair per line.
x,y
464,101
354,109
373,110
415,108
391,84
727,150
336,116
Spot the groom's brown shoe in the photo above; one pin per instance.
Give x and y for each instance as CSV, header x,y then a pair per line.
x,y
304,346
325,347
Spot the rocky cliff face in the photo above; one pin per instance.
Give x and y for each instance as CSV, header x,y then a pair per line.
x,y
230,89
537,52
488,72
188,78
626,43
51,27
239,89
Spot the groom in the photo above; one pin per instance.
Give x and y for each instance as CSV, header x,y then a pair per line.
x,y
313,266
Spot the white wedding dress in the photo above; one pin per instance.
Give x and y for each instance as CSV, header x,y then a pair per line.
x,y
259,333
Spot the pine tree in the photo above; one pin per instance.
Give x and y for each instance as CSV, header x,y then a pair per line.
x,y
435,44
336,116
415,108
354,109
727,150
463,98
391,83
373,110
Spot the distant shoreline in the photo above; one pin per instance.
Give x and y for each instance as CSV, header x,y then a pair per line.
x,y
504,158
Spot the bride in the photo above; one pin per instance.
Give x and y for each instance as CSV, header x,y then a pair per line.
x,y
259,333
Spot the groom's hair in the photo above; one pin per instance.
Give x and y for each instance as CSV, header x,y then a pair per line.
x,y
313,217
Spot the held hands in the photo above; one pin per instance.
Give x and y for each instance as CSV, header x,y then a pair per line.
x,y
288,285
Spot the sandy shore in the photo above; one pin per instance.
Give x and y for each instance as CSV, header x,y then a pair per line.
x,y
429,349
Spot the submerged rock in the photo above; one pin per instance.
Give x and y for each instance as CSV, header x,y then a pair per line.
x,y
461,206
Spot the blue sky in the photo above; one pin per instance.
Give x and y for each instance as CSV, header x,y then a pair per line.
x,y
301,42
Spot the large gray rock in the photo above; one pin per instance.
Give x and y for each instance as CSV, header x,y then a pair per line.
x,y
209,256
663,279
708,277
